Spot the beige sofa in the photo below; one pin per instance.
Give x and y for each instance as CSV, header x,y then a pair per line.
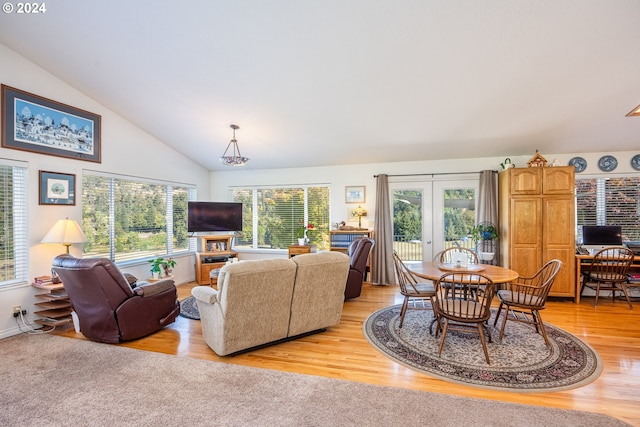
x,y
262,301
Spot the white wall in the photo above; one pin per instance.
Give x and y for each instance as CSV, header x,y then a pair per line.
x,y
337,177
126,150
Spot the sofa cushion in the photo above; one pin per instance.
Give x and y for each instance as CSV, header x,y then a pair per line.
x,y
318,296
251,306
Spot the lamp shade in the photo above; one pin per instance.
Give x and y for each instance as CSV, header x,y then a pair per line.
x,y
359,211
65,231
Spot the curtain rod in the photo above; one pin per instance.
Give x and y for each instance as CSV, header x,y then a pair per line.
x,y
433,174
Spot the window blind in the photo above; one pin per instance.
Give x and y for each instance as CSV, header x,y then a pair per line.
x,y
128,218
14,259
609,201
273,217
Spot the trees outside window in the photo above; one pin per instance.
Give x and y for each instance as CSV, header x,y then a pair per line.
x,y
271,216
127,219
609,201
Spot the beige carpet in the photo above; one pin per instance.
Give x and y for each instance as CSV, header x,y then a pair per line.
x,y
58,381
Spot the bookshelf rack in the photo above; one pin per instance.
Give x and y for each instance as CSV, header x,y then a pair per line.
x,y
54,304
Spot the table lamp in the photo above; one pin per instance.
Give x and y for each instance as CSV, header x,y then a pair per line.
x,y
359,212
65,231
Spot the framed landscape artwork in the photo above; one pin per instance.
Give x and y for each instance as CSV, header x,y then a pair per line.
x,y
40,125
355,194
57,188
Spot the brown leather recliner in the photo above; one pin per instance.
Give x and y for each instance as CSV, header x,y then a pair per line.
x,y
108,309
359,252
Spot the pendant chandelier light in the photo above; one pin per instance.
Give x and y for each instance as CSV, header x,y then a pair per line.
x,y
236,159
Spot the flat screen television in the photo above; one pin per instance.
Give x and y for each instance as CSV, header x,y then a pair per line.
x,y
205,217
601,235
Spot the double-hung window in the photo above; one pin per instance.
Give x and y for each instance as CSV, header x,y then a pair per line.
x,y
273,218
128,218
609,201
14,260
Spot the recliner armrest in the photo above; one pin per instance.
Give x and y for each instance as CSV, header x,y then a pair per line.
x,y
149,289
205,294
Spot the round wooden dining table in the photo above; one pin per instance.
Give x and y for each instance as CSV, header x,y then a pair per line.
x,y
434,270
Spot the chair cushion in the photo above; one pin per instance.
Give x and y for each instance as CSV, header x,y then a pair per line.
x,y
509,297
466,310
600,277
422,288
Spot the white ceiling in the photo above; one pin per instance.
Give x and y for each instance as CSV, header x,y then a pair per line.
x,y
325,82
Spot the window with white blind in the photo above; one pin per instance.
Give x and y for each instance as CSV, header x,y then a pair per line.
x,y
14,260
609,201
272,218
130,218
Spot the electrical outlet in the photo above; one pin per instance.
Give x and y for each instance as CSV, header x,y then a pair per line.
x,y
16,310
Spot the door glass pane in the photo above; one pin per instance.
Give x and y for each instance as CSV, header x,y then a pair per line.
x,y
459,217
407,224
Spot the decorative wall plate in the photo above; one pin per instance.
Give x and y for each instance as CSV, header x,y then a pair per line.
x,y
579,163
607,163
635,162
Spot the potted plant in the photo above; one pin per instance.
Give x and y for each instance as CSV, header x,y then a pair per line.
x,y
483,235
301,233
160,266
167,266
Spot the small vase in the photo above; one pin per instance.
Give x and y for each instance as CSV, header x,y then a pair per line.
x,y
155,274
301,241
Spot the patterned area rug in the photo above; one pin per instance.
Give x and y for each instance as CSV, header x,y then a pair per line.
x,y
189,308
521,362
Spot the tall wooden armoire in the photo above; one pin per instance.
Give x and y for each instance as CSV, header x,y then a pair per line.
x,y
537,222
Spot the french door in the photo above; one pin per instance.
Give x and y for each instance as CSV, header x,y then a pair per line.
x,y
431,213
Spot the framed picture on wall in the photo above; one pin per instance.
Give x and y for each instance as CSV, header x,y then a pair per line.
x,y
355,194
57,188
40,125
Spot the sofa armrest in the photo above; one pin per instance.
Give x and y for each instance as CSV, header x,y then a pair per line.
x,y
145,289
205,294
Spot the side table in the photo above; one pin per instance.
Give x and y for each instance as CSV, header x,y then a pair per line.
x,y
300,249
151,279
55,306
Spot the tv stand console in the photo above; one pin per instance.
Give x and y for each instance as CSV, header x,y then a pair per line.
x,y
212,252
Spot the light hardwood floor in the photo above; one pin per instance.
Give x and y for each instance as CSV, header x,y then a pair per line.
x,y
343,352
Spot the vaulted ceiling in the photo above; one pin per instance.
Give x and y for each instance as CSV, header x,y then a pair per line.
x,y
351,81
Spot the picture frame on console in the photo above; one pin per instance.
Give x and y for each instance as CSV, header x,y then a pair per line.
x,y
40,125
57,189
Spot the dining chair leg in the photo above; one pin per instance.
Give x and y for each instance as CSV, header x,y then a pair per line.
x,y
495,321
484,343
626,295
597,294
435,321
504,322
403,311
536,318
444,335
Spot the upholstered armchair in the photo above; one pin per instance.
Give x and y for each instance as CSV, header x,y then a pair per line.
x,y
108,309
359,253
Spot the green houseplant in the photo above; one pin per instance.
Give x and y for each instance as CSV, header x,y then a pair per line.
x,y
301,233
483,235
484,231
161,266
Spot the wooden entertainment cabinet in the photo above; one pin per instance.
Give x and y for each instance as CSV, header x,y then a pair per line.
x,y
212,252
